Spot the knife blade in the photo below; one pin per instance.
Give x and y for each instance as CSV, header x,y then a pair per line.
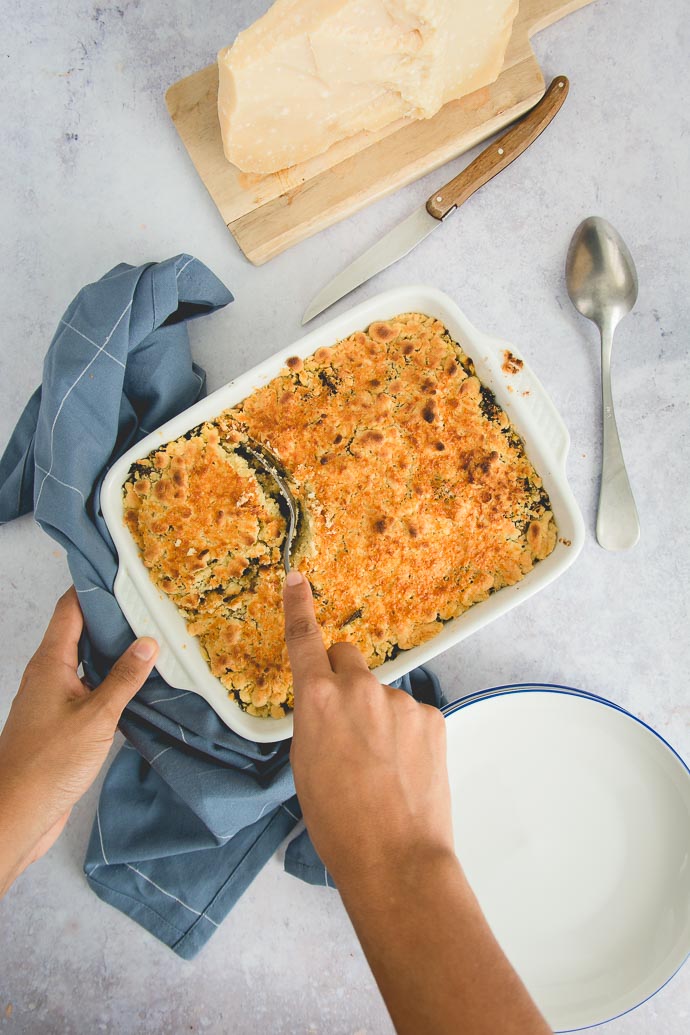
x,y
443,202
392,246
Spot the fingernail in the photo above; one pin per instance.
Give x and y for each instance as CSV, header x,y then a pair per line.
x,y
144,648
293,578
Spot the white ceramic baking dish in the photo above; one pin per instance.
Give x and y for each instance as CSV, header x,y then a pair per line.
x,y
150,613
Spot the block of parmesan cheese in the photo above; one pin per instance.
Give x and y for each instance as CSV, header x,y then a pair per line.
x,y
312,72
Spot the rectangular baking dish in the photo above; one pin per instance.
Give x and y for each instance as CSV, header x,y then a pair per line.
x,y
150,613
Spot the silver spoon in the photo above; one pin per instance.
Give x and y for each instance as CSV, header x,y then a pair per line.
x,y
602,283
265,458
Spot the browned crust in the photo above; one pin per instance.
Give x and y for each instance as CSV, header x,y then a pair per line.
x,y
511,364
419,499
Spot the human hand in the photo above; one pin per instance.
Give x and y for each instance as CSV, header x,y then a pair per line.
x,y
370,770
369,761
57,736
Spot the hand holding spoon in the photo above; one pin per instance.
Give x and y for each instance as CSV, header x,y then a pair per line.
x,y
602,284
263,456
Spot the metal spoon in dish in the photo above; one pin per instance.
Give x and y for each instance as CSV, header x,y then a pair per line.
x,y
602,283
269,463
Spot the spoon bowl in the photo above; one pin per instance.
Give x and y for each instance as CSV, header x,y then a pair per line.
x,y
602,284
265,459
600,273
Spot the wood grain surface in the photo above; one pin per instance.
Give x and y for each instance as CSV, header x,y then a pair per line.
x,y
500,152
267,214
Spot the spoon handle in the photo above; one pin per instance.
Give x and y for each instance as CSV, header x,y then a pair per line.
x,y
618,527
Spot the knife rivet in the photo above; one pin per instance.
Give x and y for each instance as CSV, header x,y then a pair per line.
x,y
439,198
500,150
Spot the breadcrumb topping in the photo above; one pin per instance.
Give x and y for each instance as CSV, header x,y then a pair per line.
x,y
417,498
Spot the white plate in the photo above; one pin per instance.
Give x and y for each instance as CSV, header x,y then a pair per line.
x,y
150,612
572,822
516,688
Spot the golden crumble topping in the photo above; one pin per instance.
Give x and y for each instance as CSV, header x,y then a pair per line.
x,y
416,495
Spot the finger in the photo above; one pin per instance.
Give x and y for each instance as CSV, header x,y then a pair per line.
x,y
61,638
345,657
128,674
308,657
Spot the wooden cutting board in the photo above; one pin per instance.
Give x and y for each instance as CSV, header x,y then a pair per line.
x,y
267,214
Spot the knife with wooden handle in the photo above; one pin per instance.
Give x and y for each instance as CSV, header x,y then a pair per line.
x,y
443,202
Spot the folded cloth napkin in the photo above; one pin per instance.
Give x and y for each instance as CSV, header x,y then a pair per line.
x,y
189,811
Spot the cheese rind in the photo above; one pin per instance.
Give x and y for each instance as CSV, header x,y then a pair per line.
x,y
312,72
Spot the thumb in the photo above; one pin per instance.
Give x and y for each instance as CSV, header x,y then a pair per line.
x,y
128,674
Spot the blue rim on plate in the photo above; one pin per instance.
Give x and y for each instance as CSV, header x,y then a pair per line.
x,y
571,691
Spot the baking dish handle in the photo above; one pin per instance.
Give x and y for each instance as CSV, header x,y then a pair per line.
x,y
549,425
529,404
138,614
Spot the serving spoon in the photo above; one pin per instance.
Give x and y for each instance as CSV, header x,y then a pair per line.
x,y
270,464
602,284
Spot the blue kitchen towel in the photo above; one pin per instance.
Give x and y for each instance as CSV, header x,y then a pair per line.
x,y
189,811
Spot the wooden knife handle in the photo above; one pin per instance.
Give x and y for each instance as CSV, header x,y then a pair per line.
x,y
500,153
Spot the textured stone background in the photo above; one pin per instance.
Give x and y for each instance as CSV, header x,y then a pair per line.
x,y
94,174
